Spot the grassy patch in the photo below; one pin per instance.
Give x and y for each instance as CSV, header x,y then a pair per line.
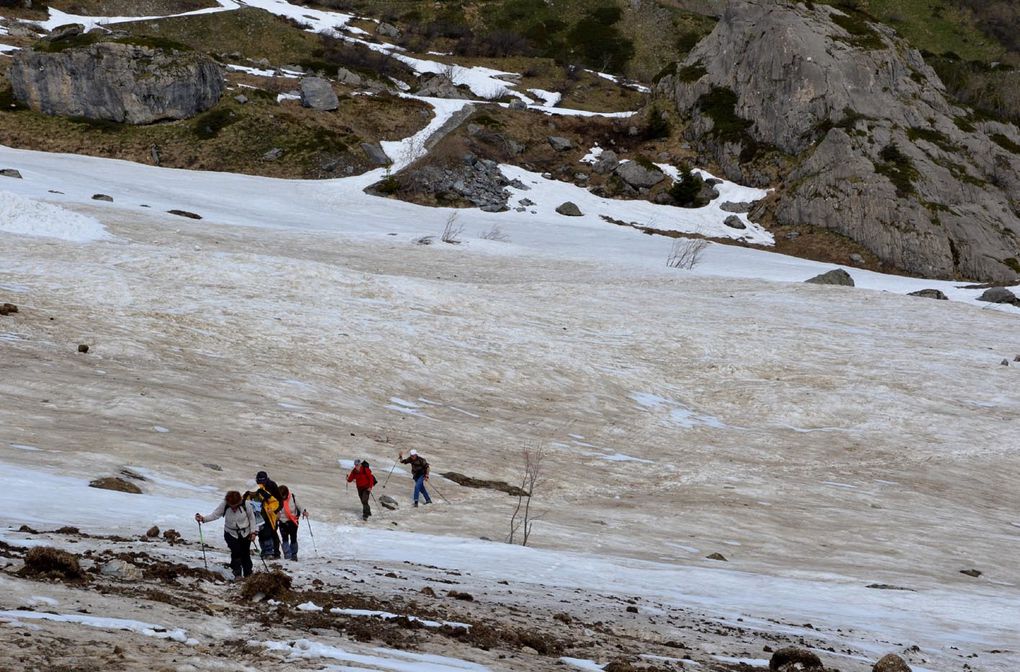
x,y
1007,144
720,106
934,137
691,73
862,34
209,124
898,167
1013,263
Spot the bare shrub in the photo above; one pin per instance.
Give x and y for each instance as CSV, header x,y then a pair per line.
x,y
523,518
496,234
424,240
272,585
452,230
46,562
686,253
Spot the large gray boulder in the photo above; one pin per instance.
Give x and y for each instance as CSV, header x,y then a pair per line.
x,y
638,175
441,86
115,81
999,295
859,133
836,276
318,94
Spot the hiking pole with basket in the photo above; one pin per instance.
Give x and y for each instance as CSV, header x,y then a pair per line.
x,y
258,547
436,490
312,534
202,538
390,474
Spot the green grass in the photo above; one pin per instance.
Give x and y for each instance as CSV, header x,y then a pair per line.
x,y
938,27
1007,144
898,167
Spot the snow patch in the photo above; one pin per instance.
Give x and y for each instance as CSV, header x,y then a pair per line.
x,y
27,217
146,629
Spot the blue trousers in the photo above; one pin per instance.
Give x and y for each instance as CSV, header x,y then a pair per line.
x,y
419,489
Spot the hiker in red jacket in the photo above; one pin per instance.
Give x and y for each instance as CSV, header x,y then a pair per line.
x,y
362,476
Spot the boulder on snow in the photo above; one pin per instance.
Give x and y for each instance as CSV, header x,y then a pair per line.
x,y
569,209
734,222
639,174
440,86
836,276
152,532
121,569
8,308
117,484
102,197
891,663
999,295
318,94
387,30
975,573
184,213
930,294
716,556
388,502
792,658
738,207
518,104
10,172
375,153
83,348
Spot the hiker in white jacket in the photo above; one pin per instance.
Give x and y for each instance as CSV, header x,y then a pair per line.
x,y
239,529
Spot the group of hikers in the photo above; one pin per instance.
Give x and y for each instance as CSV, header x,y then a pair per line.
x,y
271,515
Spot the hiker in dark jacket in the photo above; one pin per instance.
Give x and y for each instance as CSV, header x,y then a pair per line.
x,y
239,529
269,538
420,474
362,476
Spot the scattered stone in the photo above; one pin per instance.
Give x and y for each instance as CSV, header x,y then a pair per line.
x,y
717,556
930,294
791,658
632,609
27,530
348,78
999,295
184,213
560,144
569,209
891,663
172,536
8,309
83,348
387,30
273,154
10,172
388,502
121,569
619,665
318,94
527,203
46,562
529,650
118,82
518,104
580,177
457,595
971,572
735,222
886,586
375,153
241,99
214,467
115,483
836,276
428,591
67,529
563,617
793,235
1015,359
1004,362
856,259
738,207
102,197
640,176
607,162
152,532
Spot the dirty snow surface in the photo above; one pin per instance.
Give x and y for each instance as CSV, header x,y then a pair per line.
x,y
843,454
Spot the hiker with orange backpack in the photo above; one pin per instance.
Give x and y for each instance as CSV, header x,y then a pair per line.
x,y
290,518
363,478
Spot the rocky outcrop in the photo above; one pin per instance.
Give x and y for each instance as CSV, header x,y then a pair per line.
x,y
441,86
836,276
478,181
116,81
859,133
639,174
569,209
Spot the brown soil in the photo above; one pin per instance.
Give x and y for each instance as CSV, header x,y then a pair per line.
x,y
273,585
46,562
470,482
117,484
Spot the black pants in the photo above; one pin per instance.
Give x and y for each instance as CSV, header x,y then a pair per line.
x,y
288,539
366,510
240,554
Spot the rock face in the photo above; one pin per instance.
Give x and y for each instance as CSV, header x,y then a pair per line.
x,y
116,82
318,94
836,276
860,133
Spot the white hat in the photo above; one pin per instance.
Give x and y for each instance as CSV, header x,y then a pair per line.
x,y
413,452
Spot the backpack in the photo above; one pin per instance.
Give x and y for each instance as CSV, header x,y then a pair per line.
x,y
256,510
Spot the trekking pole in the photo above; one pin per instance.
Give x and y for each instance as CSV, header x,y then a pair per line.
x,y
202,538
312,534
436,490
390,474
258,547
379,506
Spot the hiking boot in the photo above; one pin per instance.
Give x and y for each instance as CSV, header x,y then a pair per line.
x,y
416,505
365,517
